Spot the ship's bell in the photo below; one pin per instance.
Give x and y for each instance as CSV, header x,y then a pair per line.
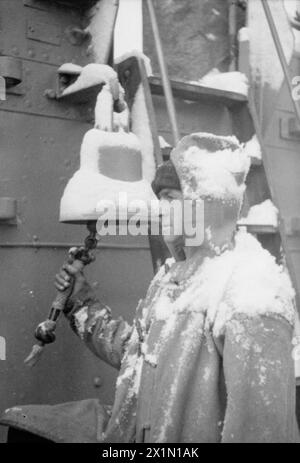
x,y
110,172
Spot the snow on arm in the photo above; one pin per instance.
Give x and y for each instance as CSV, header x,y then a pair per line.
x,y
104,336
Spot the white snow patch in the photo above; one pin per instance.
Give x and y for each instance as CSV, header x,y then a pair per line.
x,y
252,148
256,286
70,68
249,282
163,308
206,373
141,128
212,174
234,81
211,37
80,320
243,34
95,74
151,358
215,12
13,410
163,142
131,368
264,213
89,186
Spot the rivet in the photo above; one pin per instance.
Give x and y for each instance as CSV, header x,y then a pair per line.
x,y
97,381
50,93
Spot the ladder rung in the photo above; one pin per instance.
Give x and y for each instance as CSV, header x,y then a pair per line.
x,y
198,92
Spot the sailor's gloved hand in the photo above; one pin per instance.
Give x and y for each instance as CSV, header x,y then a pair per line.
x,y
70,277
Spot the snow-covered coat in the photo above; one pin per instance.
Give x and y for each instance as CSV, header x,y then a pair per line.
x,y
207,359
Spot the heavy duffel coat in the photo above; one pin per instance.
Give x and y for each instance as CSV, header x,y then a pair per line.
x,y
197,365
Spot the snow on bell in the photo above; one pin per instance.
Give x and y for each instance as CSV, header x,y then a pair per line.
x,y
109,182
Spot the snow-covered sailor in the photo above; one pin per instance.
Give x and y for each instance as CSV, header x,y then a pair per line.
x,y
208,357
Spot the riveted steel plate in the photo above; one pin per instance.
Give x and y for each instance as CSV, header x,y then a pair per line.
x,y
44,32
48,45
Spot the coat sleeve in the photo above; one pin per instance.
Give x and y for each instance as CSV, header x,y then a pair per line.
x,y
259,374
92,321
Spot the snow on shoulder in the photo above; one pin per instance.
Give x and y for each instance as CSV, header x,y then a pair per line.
x,y
244,280
257,285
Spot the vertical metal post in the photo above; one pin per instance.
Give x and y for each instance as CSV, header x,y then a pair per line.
x,y
232,26
164,73
280,52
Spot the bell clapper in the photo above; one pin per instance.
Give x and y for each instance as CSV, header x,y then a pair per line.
x,y
45,331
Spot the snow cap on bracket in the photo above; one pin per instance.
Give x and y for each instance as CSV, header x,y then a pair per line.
x,y
211,166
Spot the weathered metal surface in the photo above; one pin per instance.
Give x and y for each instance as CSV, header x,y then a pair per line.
x,y
43,32
193,117
39,155
8,209
40,142
41,4
290,128
13,40
194,35
271,104
11,70
266,74
31,95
